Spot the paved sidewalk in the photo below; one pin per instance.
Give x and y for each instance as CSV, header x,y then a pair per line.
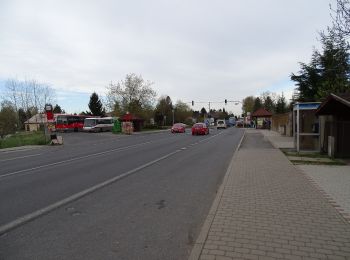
x,y
267,209
334,181
277,140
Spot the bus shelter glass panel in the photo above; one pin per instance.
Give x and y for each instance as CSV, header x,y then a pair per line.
x,y
306,126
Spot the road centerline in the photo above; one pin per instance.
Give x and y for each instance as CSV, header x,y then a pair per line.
x,y
72,159
31,216
20,157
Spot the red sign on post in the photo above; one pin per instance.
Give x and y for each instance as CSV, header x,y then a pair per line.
x,y
49,113
127,117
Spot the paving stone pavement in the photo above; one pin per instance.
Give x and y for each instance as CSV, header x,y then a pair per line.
x,y
267,209
334,181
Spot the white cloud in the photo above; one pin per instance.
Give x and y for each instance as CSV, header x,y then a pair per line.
x,y
192,50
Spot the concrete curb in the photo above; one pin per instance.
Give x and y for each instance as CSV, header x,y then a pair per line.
x,y
151,132
199,244
21,148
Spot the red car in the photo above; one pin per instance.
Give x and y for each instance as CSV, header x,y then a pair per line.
x,y
200,129
178,128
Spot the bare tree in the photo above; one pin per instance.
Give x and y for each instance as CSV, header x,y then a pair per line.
x,y
29,94
341,18
13,88
132,94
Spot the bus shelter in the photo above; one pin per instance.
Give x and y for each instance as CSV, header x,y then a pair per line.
x,y
137,123
262,118
306,126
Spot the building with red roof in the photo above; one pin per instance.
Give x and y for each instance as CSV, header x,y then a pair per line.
x,y
262,118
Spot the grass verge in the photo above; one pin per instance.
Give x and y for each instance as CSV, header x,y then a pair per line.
x,y
304,154
297,162
311,155
23,138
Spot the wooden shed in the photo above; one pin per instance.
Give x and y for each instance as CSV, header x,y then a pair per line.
x,y
334,114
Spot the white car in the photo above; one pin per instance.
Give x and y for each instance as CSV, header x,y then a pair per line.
x,y
221,124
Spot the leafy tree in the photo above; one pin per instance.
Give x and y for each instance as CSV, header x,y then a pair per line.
x,y
334,65
132,94
85,113
57,109
196,114
308,81
22,117
158,118
257,104
269,104
164,109
8,119
248,104
328,72
96,106
182,111
281,105
203,112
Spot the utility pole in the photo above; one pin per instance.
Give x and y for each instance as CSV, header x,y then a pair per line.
x,y
173,116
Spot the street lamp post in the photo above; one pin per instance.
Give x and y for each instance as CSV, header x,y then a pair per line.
x,y
173,116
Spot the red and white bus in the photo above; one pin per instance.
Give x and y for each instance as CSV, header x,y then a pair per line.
x,y
64,122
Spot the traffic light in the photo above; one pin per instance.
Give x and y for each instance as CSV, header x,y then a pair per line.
x,y
225,101
192,103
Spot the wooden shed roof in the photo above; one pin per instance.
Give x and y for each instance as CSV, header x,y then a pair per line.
x,y
335,105
262,112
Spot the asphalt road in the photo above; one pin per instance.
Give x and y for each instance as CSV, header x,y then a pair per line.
x,y
105,196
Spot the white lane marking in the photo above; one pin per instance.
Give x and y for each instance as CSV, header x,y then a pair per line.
x,y
73,159
19,221
15,158
31,216
78,158
20,149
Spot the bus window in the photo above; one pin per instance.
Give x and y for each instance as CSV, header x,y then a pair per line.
x,y
89,122
62,120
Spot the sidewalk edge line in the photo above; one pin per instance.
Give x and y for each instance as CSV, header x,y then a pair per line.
x,y
199,244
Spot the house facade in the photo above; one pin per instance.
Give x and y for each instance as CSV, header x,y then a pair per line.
x,y
36,122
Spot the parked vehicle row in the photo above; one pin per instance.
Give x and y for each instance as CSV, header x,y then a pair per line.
x,y
198,128
98,124
65,123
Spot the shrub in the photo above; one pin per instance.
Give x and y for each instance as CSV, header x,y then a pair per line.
x,y
24,138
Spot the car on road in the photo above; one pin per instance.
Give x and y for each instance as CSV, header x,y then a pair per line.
x,y
200,129
231,121
239,123
221,124
178,128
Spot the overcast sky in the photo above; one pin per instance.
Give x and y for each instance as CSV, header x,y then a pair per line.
x,y
192,50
